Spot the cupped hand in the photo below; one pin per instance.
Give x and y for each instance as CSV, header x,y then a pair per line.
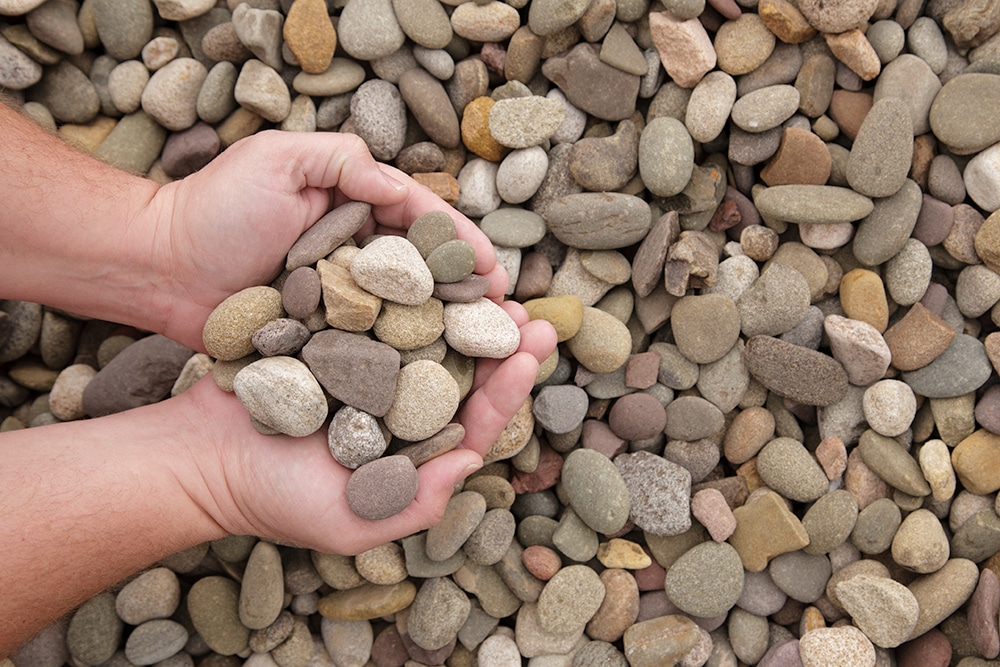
x,y
293,491
230,225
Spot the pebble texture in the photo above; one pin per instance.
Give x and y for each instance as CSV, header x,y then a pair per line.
x,y
764,232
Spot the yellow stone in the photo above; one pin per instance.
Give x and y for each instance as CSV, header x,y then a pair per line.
x,y
766,528
854,50
812,619
564,313
623,554
476,130
441,183
977,462
515,435
348,307
88,137
785,21
310,35
367,601
862,296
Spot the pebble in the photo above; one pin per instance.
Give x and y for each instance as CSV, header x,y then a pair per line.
x,y
786,466
806,376
382,488
920,544
437,613
154,594
298,406
765,528
983,606
574,582
673,637
685,48
845,645
94,631
560,408
705,327
480,329
355,437
666,156
975,460
830,521
603,342
775,302
366,601
859,347
876,526
717,562
213,603
939,594
596,490
815,204
426,399
890,407
658,491
155,641
962,368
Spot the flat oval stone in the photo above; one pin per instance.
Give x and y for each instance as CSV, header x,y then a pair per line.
x,y
171,95
596,490
370,30
836,646
920,544
378,113
213,603
959,116
519,177
439,610
705,326
229,330
578,583
786,466
94,631
327,234
804,375
598,220
665,640
480,329
513,227
427,100
887,459
715,562
155,641
882,233
765,108
812,204
522,122
367,601
941,593
666,156
976,460
283,394
67,93
427,397
485,23
881,154
876,526
382,488
153,594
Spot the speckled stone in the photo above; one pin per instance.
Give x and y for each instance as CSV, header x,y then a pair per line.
x,y
717,562
845,646
804,375
659,491
371,494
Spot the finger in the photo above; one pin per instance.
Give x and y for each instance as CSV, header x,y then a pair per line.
x,y
490,408
329,159
436,483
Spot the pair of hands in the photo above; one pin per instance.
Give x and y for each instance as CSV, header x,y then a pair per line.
x,y
228,227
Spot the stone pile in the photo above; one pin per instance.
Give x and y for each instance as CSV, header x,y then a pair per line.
x,y
765,232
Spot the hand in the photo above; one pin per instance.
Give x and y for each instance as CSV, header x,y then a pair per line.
x,y
229,225
293,491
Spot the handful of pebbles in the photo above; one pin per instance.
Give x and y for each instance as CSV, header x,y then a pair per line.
x,y
383,336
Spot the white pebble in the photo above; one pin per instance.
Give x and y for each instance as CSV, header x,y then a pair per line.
x,y
480,329
889,407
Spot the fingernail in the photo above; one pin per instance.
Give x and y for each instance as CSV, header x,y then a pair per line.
x,y
395,184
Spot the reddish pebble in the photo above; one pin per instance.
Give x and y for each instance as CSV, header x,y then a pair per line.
x,y
982,613
650,578
637,417
642,370
832,455
931,649
541,561
709,506
934,222
597,435
544,476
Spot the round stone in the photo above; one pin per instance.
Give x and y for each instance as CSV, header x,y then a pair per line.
x,y
355,437
382,488
153,594
705,327
480,328
576,583
596,490
715,562
283,394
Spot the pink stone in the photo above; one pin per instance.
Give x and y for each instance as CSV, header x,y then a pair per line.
x,y
642,370
982,613
832,455
544,476
709,506
685,48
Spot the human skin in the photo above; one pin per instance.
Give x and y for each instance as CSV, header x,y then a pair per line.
x,y
87,503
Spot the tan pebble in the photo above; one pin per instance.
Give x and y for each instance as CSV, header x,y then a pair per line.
x,y
618,610
785,20
603,344
832,456
802,157
515,435
710,508
382,565
368,601
749,431
935,462
863,298
441,183
476,130
565,313
666,640
624,554
742,45
348,307
920,544
228,331
854,50
748,473
977,462
812,618
766,528
954,417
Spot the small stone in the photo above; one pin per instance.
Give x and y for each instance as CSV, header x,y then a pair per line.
x,y
765,528
155,593
804,375
596,490
380,489
685,48
845,645
213,603
283,394
673,639
717,562
355,437
155,641
367,601
480,329
659,493
426,399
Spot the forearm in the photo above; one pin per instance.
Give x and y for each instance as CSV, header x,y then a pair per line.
x,y
87,503
73,234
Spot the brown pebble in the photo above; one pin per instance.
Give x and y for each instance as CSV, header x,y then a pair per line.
x,y
918,338
802,158
541,561
383,487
